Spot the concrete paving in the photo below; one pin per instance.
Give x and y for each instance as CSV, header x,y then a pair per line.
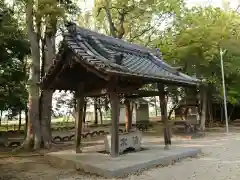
x,y
102,164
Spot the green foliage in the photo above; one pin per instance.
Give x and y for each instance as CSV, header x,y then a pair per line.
x,y
135,20
12,40
51,12
195,41
13,68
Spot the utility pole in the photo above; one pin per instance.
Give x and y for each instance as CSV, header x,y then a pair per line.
x,y
224,88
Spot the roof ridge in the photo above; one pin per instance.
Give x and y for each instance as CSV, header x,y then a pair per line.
x,y
156,60
111,54
121,49
168,67
72,28
86,47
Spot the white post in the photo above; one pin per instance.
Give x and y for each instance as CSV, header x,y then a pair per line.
x,y
224,89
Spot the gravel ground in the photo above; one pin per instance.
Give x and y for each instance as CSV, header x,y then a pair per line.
x,y
220,160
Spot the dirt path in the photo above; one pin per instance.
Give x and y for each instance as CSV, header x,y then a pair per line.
x,y
221,161
29,169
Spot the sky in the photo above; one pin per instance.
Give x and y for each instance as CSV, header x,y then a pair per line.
x,y
216,3
88,4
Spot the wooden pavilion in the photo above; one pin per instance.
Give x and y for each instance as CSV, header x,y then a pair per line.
x,y
93,65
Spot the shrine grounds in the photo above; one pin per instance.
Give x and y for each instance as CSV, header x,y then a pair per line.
x,y
220,159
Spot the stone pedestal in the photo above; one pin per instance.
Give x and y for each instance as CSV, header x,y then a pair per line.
x,y
126,140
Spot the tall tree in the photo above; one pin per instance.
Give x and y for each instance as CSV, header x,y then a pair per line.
x,y
194,43
135,20
34,130
13,63
43,18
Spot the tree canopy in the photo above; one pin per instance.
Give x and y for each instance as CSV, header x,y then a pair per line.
x,y
194,43
14,47
187,37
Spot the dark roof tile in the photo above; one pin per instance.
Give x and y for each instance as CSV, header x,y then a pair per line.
x,y
136,60
101,51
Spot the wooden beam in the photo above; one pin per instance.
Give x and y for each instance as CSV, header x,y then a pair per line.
x,y
79,118
149,94
143,93
105,91
164,116
96,93
128,118
128,92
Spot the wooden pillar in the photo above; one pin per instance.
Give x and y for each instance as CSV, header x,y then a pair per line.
x,y
79,120
115,124
164,116
128,118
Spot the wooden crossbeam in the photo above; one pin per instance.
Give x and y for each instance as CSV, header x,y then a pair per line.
x,y
127,92
142,93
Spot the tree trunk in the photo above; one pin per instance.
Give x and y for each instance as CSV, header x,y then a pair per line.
x,y
172,109
163,106
204,109
128,115
46,95
185,114
34,129
26,122
95,111
112,27
45,115
29,139
101,116
84,111
155,104
222,111
100,111
20,120
1,117
209,110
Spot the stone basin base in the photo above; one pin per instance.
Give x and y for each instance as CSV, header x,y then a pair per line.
x,y
126,140
104,165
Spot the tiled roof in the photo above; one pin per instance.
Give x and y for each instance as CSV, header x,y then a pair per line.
x,y
114,55
110,55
